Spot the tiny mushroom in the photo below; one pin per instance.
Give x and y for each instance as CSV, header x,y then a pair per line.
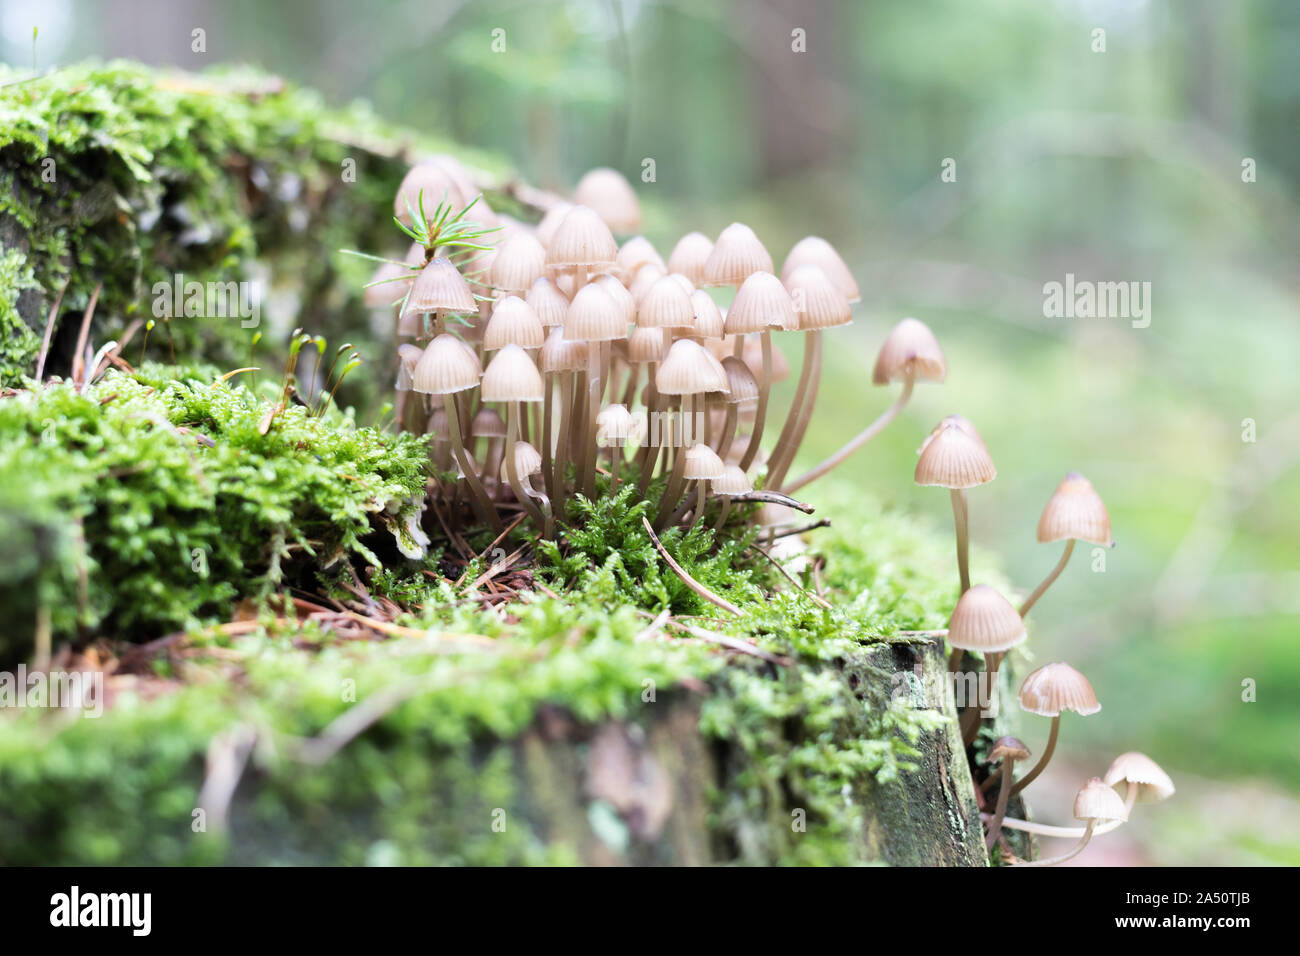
x,y
1094,804
1075,512
1007,750
955,457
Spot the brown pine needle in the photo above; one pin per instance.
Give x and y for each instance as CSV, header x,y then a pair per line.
x,y
689,581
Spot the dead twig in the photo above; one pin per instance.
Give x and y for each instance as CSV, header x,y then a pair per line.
x,y
815,598
79,357
49,330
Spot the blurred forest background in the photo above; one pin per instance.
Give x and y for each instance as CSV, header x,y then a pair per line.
x,y
1122,165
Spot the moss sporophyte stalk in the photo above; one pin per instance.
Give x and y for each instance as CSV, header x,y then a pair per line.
x,y
555,603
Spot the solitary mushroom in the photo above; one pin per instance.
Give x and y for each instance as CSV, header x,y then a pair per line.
x,y
439,290
1095,803
610,195
983,621
1008,750
596,319
955,457
731,482
520,262
687,371
548,302
762,304
689,256
512,378
1048,691
910,355
1074,512
1143,779
635,253
815,251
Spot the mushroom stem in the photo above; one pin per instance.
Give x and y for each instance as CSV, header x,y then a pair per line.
x,y
482,504
1078,848
796,425
961,521
1030,777
512,468
674,490
629,393
862,437
1047,581
595,370
728,433
995,827
764,392
722,515
1047,830
650,451
548,469
971,719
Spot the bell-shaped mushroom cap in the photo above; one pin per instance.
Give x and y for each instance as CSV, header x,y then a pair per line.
x,y
736,256
752,353
689,369
635,253
818,304
513,322
551,220
520,261
562,355
1005,747
761,303
644,280
429,183
1057,687
742,385
528,461
618,292
702,463
985,621
645,345
1096,803
708,317
594,317
954,456
487,423
689,255
582,239
911,349
665,305
437,425
1139,770
440,288
686,284
732,481
1075,510
610,195
816,251
511,376
614,424
387,285
548,302
408,356
448,365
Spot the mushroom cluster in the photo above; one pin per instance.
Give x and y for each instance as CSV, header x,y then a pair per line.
x,y
608,363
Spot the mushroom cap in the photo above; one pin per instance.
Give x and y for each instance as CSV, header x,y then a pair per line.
x,y
447,365
911,349
752,353
709,323
1005,747
689,256
665,305
742,385
528,461
737,254
513,321
408,356
818,302
594,316
645,278
618,292
985,621
687,286
816,251
548,302
519,262
487,423
387,285
635,253
562,355
954,456
440,288
581,239
703,463
732,481
1075,510
1139,770
645,345
511,376
437,184
1057,687
551,220
761,303
689,369
1095,802
614,425
610,195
